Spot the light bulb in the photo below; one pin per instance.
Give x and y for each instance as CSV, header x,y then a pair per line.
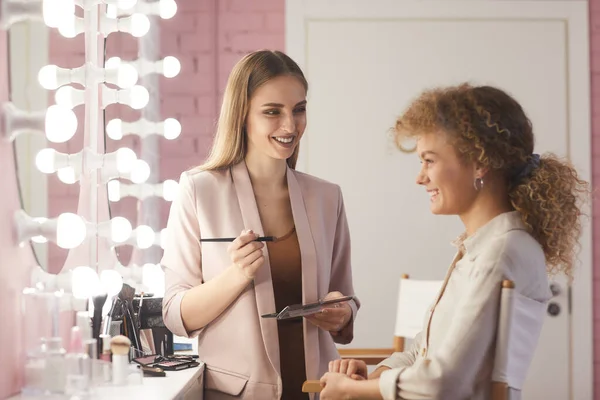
x,y
126,159
40,238
61,124
84,282
111,11
112,63
153,277
69,97
127,76
172,129
140,172
139,97
111,281
140,25
48,77
171,66
114,190
168,8
56,11
67,175
68,26
114,129
120,229
144,236
170,189
70,230
44,160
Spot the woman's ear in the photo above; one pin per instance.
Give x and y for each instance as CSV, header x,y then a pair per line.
x,y
480,170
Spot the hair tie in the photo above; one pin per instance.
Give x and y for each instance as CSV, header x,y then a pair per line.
x,y
532,164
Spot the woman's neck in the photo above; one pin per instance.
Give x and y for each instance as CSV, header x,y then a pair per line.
x,y
486,207
266,172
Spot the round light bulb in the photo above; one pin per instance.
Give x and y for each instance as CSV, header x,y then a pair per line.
x,y
140,25
140,172
40,238
67,27
171,66
111,11
112,63
126,159
64,97
172,129
153,277
170,189
111,281
70,230
56,11
168,8
84,282
139,97
61,124
67,175
44,161
127,76
114,129
120,229
47,77
144,236
114,190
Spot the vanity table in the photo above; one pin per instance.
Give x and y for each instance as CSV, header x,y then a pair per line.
x,y
177,385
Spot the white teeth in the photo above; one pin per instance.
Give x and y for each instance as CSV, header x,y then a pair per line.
x,y
433,193
284,140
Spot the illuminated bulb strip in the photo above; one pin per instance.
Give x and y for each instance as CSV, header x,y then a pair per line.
x,y
52,77
169,66
144,237
136,25
132,273
166,190
57,123
44,281
170,128
50,161
166,9
116,231
67,230
136,97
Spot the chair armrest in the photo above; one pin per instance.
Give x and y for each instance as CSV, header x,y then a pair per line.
x,y
369,356
311,386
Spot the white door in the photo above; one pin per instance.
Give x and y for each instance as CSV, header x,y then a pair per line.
x,y
365,60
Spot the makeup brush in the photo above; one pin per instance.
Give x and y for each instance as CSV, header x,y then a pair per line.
x,y
119,346
126,296
98,302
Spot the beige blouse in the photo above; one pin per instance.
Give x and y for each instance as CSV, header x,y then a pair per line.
x,y
453,356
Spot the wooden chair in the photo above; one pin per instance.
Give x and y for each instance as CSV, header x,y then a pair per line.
x,y
520,322
519,327
415,297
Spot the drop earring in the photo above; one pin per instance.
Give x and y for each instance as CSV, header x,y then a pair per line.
x,y
478,184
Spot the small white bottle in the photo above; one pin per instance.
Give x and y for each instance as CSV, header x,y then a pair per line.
x,y
78,366
54,372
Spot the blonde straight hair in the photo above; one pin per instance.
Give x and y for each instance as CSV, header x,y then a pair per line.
x,y
253,70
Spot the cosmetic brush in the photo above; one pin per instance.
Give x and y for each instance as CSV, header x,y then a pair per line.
x,y
98,302
119,347
107,320
126,296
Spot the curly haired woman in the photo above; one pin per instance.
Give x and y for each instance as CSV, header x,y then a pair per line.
x,y
521,214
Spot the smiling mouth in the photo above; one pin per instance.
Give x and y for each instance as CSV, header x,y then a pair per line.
x,y
433,194
286,140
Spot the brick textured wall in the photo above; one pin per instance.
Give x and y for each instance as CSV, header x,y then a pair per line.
x,y
208,37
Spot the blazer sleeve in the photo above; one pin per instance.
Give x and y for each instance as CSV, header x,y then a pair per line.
x,y
341,270
404,358
182,260
451,372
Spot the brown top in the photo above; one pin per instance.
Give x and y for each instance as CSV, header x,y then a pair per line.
x,y
286,272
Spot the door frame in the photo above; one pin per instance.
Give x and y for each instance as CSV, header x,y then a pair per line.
x,y
574,14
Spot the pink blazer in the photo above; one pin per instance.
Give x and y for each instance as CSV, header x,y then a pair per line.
x,y
240,349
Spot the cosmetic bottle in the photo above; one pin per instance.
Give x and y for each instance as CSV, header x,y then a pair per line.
x,y
77,366
34,371
54,371
119,347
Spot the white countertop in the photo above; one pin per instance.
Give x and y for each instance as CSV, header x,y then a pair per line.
x,y
172,387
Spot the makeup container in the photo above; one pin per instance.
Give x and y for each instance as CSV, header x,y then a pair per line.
x,y
119,347
54,371
77,365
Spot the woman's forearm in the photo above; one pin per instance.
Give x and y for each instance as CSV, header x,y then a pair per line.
x,y
200,305
364,390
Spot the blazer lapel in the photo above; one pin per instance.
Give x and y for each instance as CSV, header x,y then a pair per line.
x,y
263,285
308,253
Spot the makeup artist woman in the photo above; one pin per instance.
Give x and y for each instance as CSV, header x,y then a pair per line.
x,y
218,291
